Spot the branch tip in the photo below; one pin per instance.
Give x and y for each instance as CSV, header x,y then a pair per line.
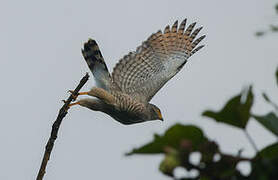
x,y
56,125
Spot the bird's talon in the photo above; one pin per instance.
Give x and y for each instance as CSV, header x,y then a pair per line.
x,y
73,95
73,104
70,91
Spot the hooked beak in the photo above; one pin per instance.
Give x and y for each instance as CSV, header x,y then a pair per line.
x,y
160,116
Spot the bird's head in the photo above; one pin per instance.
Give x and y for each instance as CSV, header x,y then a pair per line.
x,y
155,112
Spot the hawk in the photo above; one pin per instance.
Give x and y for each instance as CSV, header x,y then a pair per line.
x,y
138,76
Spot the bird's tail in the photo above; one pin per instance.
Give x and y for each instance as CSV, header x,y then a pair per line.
x,y
96,63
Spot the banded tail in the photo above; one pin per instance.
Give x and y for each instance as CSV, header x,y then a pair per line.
x,y
96,63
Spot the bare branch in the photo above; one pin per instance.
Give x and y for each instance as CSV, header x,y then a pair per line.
x,y
56,125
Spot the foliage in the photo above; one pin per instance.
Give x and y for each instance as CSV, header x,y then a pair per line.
x,y
171,138
276,74
269,121
265,164
237,111
180,142
272,27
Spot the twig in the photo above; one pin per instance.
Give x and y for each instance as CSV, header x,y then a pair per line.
x,y
251,141
56,126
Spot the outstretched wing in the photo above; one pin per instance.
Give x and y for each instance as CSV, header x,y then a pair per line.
x,y
143,72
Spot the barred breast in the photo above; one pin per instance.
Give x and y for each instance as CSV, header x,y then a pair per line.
x,y
128,104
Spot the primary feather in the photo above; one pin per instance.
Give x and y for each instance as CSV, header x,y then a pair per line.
x,y
143,72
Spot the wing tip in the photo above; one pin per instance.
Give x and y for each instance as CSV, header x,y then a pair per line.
x,y
197,49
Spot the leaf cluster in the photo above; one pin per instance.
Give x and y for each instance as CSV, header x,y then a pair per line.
x,y
272,27
180,142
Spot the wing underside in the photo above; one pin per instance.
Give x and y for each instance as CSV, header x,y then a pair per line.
x,y
143,72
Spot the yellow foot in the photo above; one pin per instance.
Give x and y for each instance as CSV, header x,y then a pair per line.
x,y
75,96
83,93
73,104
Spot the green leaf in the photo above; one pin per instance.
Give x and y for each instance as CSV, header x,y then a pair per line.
x,y
273,28
267,99
276,74
260,33
265,164
269,121
270,152
236,112
172,138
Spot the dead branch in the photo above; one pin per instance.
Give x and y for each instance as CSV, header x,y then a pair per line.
x,y
56,125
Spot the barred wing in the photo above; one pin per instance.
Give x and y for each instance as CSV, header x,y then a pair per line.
x,y
143,72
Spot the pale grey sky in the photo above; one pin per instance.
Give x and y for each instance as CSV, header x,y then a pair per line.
x,y
40,44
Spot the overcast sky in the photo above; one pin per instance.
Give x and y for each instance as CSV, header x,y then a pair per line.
x,y
40,44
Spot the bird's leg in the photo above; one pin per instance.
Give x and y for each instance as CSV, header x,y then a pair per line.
x,y
102,95
98,93
73,104
75,96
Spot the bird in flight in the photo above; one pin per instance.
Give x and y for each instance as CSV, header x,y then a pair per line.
x,y
139,75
